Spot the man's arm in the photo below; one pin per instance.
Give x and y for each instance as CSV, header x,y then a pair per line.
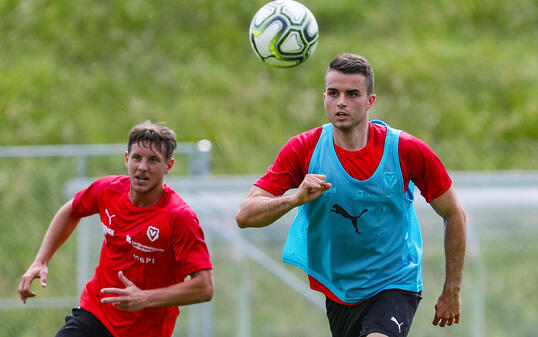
x,y
261,208
131,298
448,307
59,230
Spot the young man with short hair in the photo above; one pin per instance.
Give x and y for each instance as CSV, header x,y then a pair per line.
x,y
356,233
152,243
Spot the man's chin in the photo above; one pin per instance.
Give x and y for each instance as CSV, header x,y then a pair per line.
x,y
342,125
140,189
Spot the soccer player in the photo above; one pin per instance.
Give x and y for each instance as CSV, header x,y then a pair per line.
x,y
154,257
356,233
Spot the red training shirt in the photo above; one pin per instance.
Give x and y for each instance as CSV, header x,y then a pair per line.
x,y
418,163
155,247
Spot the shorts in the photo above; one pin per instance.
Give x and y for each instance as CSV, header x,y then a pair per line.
x,y
83,324
390,312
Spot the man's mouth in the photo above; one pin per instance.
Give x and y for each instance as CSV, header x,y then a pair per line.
x,y
141,179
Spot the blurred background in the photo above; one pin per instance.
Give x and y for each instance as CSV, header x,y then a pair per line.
x,y
461,75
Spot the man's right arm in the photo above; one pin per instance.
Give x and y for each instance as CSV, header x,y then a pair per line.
x,y
261,208
59,230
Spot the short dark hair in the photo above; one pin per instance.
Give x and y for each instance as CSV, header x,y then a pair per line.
x,y
348,63
156,134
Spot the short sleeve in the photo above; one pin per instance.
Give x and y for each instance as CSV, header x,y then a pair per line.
x,y
188,243
421,165
291,164
85,202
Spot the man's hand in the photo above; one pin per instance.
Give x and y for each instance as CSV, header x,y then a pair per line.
x,y
447,309
312,186
36,270
130,298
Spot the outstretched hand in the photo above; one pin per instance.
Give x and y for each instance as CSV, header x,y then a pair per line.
x,y
36,270
130,298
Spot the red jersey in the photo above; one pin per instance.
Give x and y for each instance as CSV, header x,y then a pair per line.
x,y
418,163
155,247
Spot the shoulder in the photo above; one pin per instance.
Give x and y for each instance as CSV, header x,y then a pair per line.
x,y
305,140
421,165
119,182
113,183
299,148
413,146
291,163
178,209
113,180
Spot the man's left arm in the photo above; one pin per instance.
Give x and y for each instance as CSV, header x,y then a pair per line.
x,y
448,307
199,288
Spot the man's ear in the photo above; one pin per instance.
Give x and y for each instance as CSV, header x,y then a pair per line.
x,y
169,165
371,100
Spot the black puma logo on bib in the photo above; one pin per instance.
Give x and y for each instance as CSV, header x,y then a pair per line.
x,y
340,210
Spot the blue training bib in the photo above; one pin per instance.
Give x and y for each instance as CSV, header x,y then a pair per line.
x,y
361,236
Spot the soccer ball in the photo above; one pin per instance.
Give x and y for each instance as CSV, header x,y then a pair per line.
x,y
283,33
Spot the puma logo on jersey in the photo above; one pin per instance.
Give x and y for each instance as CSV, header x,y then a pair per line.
x,y
354,219
109,217
398,324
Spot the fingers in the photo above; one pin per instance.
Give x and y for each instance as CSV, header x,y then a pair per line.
x,y
124,279
314,183
117,291
25,293
121,301
43,276
26,281
445,321
442,322
317,181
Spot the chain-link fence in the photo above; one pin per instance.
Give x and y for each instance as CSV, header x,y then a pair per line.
x,y
256,295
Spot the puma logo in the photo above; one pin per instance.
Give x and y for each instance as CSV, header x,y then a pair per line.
x,y
109,216
398,324
340,210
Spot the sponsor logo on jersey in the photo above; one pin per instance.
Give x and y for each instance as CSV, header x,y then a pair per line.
x,y
142,247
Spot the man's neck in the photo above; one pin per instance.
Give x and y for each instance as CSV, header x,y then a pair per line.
x,y
353,139
145,200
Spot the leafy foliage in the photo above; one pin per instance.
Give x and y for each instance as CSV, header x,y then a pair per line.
x,y
451,72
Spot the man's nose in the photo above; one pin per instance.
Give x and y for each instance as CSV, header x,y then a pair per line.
x,y
143,165
341,100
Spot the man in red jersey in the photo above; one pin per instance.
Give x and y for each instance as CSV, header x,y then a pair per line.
x,y
356,234
152,243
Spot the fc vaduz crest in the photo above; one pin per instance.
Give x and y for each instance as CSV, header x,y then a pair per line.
x,y
153,233
389,178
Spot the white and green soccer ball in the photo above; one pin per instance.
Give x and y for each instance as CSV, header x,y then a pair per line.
x,y
283,33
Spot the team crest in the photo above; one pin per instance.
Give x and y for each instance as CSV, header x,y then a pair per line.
x,y
153,233
389,178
